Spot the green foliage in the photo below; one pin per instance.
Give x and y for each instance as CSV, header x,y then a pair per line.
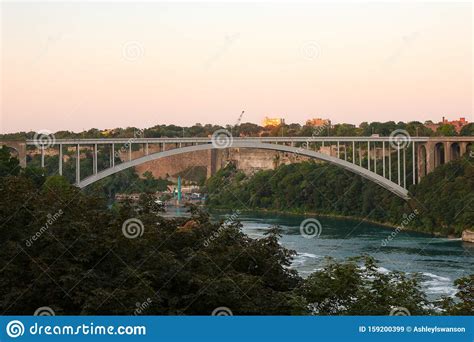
x,y
9,165
57,183
467,130
348,289
447,197
446,130
66,248
444,198
414,128
83,264
463,303
128,181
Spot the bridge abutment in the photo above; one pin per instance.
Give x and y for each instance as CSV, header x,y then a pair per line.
x,y
19,147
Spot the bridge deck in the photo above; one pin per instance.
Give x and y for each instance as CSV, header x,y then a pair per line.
x,y
244,139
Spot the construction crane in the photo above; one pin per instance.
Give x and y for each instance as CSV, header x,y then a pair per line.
x,y
238,122
240,118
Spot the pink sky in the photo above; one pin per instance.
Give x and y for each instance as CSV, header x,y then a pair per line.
x,y
75,66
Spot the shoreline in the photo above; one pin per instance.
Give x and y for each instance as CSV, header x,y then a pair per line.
x,y
343,217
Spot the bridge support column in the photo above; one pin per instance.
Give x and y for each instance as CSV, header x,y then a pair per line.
x,y
413,150
368,155
112,155
404,168
389,162
94,159
60,159
462,148
375,157
22,154
421,164
360,155
19,147
212,163
398,166
383,158
353,152
430,157
78,164
447,152
42,156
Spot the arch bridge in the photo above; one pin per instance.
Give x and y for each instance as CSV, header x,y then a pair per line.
x,y
393,164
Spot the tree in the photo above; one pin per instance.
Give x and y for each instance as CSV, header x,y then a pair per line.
x,y
446,130
9,165
463,303
467,130
347,288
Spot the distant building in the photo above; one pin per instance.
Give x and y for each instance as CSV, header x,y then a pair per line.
x,y
273,121
107,132
318,122
458,124
431,125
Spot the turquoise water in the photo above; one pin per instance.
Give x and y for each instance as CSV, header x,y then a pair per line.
x,y
439,260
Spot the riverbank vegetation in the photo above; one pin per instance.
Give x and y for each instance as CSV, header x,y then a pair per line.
x,y
66,249
443,201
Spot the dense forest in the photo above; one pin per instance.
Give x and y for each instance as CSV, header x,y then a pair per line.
x,y
443,200
66,249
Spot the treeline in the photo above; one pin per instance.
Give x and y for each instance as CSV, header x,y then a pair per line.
x,y
67,250
444,199
414,128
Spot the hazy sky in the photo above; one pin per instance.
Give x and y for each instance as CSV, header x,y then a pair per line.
x,y
81,65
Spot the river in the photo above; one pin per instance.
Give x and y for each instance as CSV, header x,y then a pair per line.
x,y
439,260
